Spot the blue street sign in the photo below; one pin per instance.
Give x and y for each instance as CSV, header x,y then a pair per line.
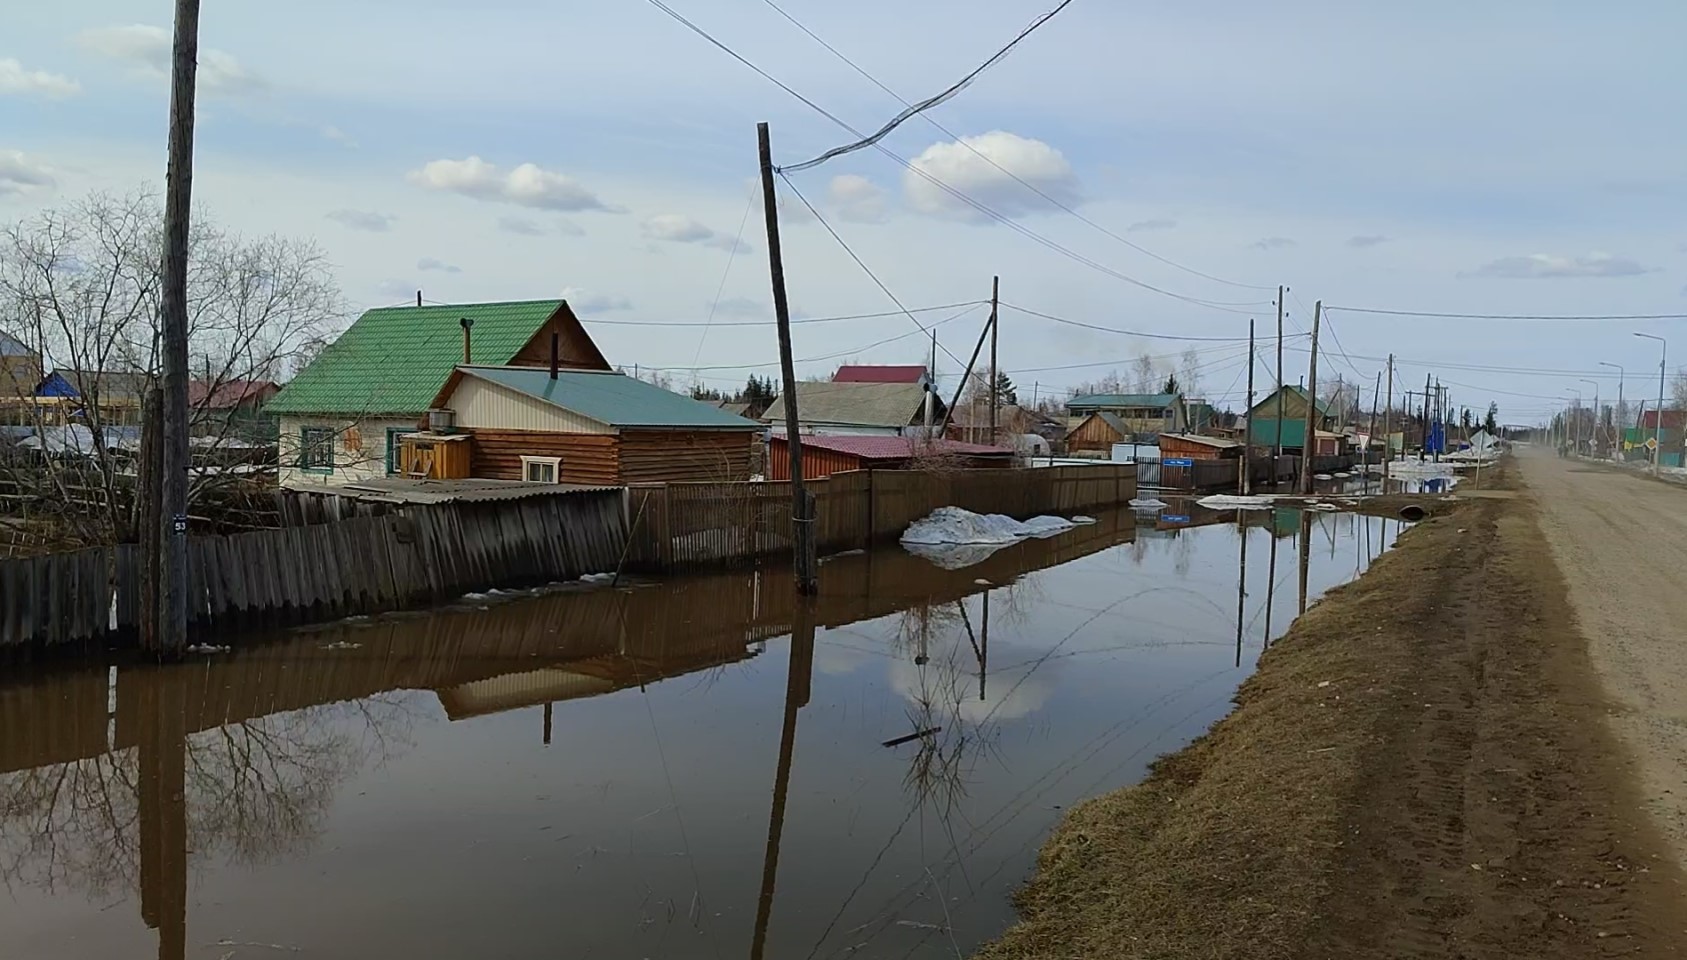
x,y
1178,462
1174,518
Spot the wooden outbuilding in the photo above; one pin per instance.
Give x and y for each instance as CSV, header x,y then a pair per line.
x,y
1097,431
823,456
585,426
1198,448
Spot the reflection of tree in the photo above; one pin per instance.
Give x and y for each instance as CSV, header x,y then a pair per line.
x,y
254,790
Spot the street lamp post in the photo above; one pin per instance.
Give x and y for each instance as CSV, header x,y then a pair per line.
x,y
1596,425
1622,405
1658,431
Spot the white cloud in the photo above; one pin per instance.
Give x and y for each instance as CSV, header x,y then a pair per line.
x,y
331,132
983,168
678,228
528,185
14,79
364,220
1542,266
1272,243
1366,240
859,199
1144,225
147,49
20,175
431,265
585,302
743,308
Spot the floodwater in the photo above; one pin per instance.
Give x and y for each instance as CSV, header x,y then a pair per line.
x,y
664,771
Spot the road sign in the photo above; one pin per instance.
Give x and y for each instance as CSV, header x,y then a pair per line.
x,y
1652,443
1178,462
1174,518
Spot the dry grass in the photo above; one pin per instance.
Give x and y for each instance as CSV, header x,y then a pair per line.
x,y
1227,849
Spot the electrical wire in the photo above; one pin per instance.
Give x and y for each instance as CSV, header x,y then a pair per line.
x,y
834,51
924,105
726,271
1228,307
1133,333
1514,316
794,322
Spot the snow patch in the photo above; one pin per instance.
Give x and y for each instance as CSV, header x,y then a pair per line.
x,y
1227,501
952,537
1148,504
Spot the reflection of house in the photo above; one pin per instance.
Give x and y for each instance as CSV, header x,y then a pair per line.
x,y
882,409
1263,422
232,408
580,426
823,456
1140,415
341,417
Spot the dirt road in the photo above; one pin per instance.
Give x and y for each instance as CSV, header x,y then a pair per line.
x,y
1621,543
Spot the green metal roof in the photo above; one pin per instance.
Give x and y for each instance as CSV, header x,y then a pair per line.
x,y
1093,400
394,359
613,398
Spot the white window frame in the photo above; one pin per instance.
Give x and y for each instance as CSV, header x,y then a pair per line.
x,y
554,463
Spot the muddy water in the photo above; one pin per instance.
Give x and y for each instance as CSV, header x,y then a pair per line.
x,y
655,771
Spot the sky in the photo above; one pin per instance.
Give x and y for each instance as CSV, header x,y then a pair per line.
x,y
1153,169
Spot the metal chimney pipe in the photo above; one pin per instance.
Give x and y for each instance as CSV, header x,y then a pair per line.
x,y
468,355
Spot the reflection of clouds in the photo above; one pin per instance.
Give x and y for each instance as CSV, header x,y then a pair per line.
x,y
948,683
838,654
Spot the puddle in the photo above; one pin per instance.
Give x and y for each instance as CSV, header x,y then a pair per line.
x,y
656,771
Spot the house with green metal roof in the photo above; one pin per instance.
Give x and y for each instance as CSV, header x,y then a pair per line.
x,y
583,426
340,417
1142,416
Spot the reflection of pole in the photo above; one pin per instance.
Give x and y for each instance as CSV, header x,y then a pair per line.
x,y
163,809
1305,553
1241,589
547,737
797,689
984,652
1271,581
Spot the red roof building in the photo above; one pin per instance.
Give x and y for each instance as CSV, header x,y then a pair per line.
x,y
825,455
230,393
863,373
1673,419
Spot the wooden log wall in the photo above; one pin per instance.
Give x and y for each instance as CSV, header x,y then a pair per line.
x,y
322,571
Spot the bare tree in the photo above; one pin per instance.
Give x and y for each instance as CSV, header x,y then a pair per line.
x,y
1189,372
1145,374
79,286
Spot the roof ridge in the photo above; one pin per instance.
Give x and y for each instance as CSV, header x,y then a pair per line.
x,y
467,303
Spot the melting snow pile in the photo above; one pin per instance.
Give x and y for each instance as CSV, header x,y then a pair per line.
x,y
1226,501
1148,504
954,538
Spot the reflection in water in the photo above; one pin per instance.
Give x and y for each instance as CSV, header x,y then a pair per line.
x,y
336,773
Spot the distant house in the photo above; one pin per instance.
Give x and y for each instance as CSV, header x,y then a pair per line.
x,y
971,422
1673,419
882,409
750,409
1197,447
581,426
1142,416
232,409
1263,419
20,373
864,373
823,456
1098,432
341,417
113,398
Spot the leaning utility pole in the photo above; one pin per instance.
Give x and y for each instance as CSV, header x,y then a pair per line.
x,y
1387,427
995,376
1371,431
1310,441
1247,441
170,617
802,507
1277,451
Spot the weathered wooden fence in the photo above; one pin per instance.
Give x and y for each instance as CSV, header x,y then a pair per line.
x,y
301,574
679,525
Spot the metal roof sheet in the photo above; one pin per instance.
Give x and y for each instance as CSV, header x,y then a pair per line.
x,y
858,404
612,398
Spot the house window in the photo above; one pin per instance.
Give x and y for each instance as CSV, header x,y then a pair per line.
x,y
394,448
316,449
540,469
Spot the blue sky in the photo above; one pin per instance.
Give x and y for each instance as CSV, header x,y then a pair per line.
x,y
1505,157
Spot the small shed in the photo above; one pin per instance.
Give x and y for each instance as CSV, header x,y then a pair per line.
x,y
1097,431
1199,448
823,456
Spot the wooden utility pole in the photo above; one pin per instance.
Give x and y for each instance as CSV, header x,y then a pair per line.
x,y
802,507
1247,439
1371,431
1387,428
1277,451
995,376
1310,442
169,634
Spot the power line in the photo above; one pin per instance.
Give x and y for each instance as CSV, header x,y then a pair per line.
x,y
1514,316
737,241
768,323
923,105
834,355
860,263
957,194
990,160
1133,333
